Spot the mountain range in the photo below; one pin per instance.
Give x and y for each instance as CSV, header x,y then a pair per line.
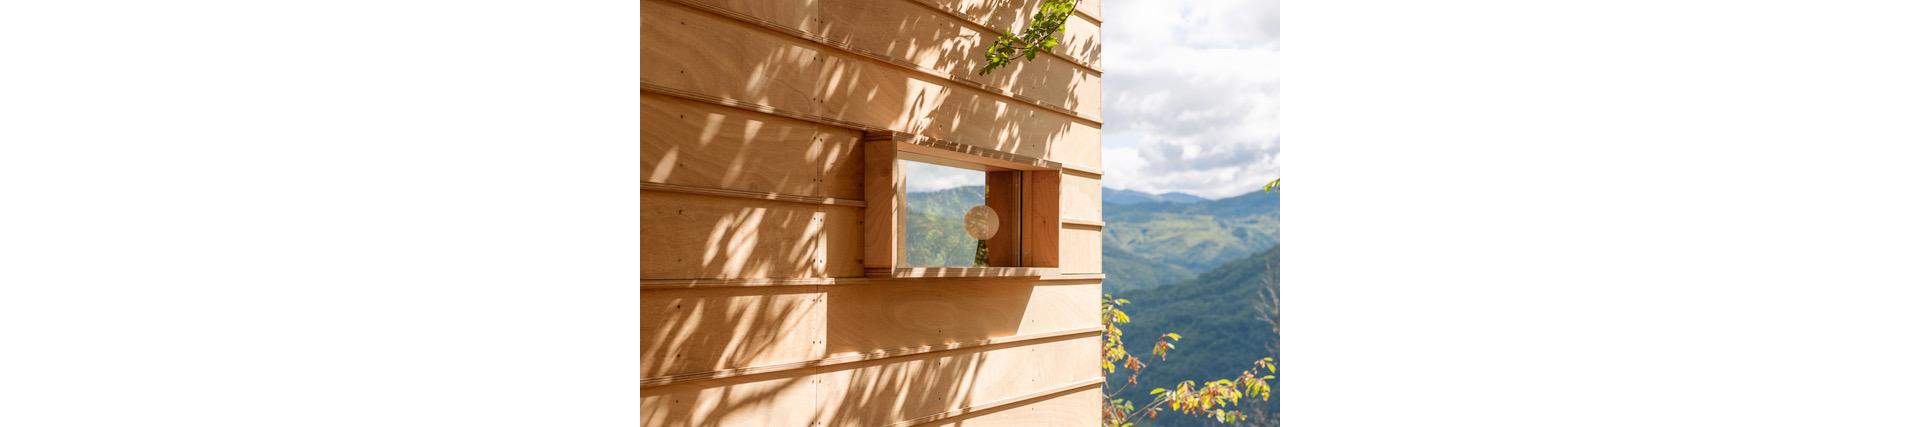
x,y
1190,265
1128,197
1151,244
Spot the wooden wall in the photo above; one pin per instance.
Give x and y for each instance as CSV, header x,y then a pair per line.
x,y
754,307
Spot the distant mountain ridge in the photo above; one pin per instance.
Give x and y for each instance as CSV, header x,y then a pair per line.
x,y
1145,244
1151,244
1128,197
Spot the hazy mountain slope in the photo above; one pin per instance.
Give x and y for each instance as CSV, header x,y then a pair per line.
x,y
935,234
1147,245
1216,315
1144,245
1128,197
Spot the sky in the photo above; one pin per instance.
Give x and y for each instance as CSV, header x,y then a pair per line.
x,y
1191,96
930,177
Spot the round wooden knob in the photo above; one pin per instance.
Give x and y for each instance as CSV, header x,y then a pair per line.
x,y
982,223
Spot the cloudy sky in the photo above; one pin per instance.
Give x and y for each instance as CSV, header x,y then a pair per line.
x,y
1191,95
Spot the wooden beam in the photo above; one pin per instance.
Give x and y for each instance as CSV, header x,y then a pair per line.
x,y
1003,196
1040,222
886,216
967,153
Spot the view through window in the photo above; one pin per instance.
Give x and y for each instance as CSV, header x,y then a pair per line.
x,y
939,199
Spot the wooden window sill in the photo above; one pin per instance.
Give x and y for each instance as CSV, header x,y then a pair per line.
x,y
953,272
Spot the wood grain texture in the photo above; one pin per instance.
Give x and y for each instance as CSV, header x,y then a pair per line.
x,y
688,331
926,37
666,284
885,216
922,35
878,392
1069,408
928,385
812,365
1041,219
844,87
1079,197
939,151
692,236
750,195
1003,196
698,144
764,400
699,53
1080,39
860,318
1079,250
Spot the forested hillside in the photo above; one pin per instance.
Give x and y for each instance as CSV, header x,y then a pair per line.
x,y
1149,240
1151,244
935,234
1218,315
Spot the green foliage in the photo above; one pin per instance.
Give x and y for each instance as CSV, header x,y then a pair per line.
x,y
1270,185
1210,399
935,234
1223,326
1042,33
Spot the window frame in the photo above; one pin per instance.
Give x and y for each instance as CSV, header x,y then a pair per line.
x,y
1036,240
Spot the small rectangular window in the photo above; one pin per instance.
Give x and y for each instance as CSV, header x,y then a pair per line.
x,y
951,221
940,209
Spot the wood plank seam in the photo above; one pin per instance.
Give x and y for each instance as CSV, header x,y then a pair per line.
x,y
875,355
982,26
898,136
650,87
1082,13
885,59
1020,400
1082,171
956,147
752,195
663,284
1082,222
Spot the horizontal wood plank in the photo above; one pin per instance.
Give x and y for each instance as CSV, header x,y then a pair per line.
x,y
663,284
1079,250
1065,406
751,195
848,88
698,236
695,332
921,387
1079,197
869,317
699,144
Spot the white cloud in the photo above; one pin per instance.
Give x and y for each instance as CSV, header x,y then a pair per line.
x,y
930,177
1192,96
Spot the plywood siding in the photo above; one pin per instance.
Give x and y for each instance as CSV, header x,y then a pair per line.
x,y
1069,409
1079,197
692,143
755,177
1079,250
706,330
804,77
865,318
693,236
924,36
